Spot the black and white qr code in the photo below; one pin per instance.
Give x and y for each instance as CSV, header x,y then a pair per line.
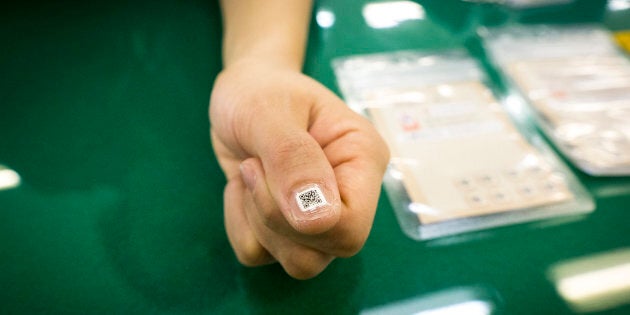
x,y
310,199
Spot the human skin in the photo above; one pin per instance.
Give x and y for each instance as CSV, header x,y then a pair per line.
x,y
275,131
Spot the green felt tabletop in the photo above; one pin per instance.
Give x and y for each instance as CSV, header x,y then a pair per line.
x,y
103,114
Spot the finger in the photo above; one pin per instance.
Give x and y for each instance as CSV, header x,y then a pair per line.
x,y
266,209
248,250
299,261
360,195
297,173
359,181
359,157
359,176
228,160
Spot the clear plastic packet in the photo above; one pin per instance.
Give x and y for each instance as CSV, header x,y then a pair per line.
x,y
578,85
459,163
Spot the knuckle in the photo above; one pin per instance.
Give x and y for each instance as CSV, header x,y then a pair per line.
x,y
269,216
371,141
350,235
383,150
302,273
378,148
350,246
267,211
306,264
251,254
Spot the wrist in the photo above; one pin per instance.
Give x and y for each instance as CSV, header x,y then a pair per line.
x,y
270,32
276,53
265,62
253,62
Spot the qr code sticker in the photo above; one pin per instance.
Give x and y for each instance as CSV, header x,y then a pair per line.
x,y
310,199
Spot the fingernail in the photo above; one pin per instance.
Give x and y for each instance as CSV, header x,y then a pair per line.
x,y
313,201
248,175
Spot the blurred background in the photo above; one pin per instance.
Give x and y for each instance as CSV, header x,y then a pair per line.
x,y
111,198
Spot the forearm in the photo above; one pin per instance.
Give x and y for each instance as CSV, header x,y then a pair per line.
x,y
271,31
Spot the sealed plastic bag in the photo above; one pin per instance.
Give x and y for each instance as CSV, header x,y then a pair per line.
x,y
578,85
459,162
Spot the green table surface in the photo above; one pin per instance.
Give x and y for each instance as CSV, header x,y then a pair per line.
x,y
103,114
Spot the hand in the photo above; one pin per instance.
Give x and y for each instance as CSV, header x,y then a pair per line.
x,y
276,133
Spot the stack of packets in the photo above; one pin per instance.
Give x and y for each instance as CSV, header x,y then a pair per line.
x,y
578,84
459,163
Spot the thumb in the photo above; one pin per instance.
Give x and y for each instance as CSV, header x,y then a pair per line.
x,y
298,177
